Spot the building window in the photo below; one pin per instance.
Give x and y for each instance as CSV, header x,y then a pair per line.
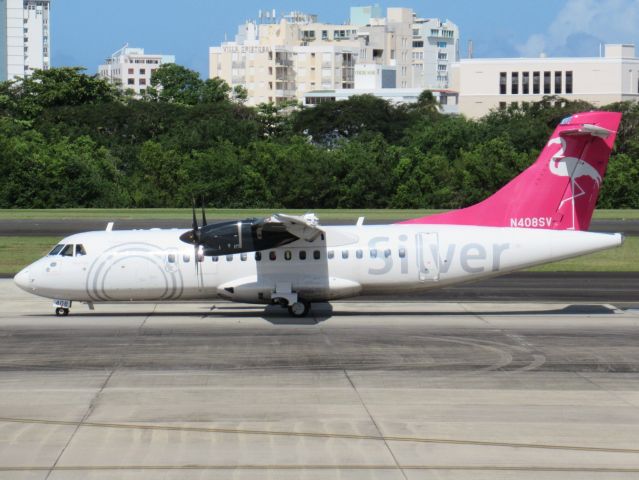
x,y
525,83
131,81
143,71
536,80
557,82
514,89
503,78
546,83
143,81
441,44
568,82
418,44
131,71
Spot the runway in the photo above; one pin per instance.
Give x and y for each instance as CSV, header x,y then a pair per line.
x,y
383,390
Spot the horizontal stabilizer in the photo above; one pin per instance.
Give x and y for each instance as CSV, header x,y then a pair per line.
x,y
587,129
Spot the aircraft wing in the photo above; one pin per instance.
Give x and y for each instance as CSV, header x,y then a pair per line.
x,y
304,226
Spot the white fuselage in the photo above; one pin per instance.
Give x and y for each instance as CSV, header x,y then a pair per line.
x,y
154,265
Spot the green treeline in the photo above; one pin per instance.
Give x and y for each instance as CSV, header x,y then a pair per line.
x,y
72,140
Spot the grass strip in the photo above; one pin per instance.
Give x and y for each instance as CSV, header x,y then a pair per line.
x,y
325,215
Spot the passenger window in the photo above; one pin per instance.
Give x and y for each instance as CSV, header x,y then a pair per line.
x,y
56,249
67,251
331,254
215,259
258,256
402,252
272,256
359,254
387,253
243,257
171,258
229,258
373,253
186,258
80,251
287,255
344,254
302,254
316,254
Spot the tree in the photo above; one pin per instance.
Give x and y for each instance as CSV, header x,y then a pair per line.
x,y
55,87
174,83
214,90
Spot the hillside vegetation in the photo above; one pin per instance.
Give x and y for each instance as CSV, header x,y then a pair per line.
x,y
71,140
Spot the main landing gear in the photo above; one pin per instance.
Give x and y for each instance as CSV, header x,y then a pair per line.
x,y
299,309
61,312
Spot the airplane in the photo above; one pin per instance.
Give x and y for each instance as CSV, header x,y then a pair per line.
x,y
540,216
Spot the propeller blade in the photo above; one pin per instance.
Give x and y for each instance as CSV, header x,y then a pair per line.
x,y
203,213
196,229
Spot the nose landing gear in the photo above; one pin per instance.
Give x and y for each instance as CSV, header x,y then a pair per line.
x,y
62,307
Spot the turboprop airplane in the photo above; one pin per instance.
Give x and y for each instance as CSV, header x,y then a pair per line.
x,y
540,216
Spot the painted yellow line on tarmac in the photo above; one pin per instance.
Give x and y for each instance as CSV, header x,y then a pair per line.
x,y
347,436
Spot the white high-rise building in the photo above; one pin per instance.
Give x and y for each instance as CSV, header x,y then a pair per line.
x,y
131,69
283,59
25,43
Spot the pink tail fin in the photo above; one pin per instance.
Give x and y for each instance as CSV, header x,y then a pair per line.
x,y
559,191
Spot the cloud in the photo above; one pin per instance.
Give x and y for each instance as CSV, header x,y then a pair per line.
x,y
581,25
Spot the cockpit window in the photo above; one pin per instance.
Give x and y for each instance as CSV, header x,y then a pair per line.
x,y
67,251
79,250
56,249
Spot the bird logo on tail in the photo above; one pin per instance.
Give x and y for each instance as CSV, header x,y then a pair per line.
x,y
572,168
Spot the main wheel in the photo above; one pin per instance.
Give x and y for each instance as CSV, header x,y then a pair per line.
x,y
61,312
299,309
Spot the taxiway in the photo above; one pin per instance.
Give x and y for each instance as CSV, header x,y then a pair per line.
x,y
384,390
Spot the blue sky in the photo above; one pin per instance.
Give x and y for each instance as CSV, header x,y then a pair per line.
x,y
85,32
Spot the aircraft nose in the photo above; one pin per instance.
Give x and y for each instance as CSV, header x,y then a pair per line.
x,y
23,279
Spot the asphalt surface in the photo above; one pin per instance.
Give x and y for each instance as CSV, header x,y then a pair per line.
x,y
383,390
62,228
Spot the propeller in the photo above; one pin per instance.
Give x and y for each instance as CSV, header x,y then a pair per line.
x,y
197,237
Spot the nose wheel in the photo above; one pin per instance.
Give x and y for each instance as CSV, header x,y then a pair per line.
x,y
61,312
299,309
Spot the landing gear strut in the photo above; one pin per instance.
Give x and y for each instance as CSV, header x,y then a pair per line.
x,y
61,312
299,309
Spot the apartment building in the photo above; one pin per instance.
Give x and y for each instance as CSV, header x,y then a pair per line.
x,y
490,83
282,59
131,68
25,44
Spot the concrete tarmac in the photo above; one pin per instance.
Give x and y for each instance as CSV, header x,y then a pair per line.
x,y
359,390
